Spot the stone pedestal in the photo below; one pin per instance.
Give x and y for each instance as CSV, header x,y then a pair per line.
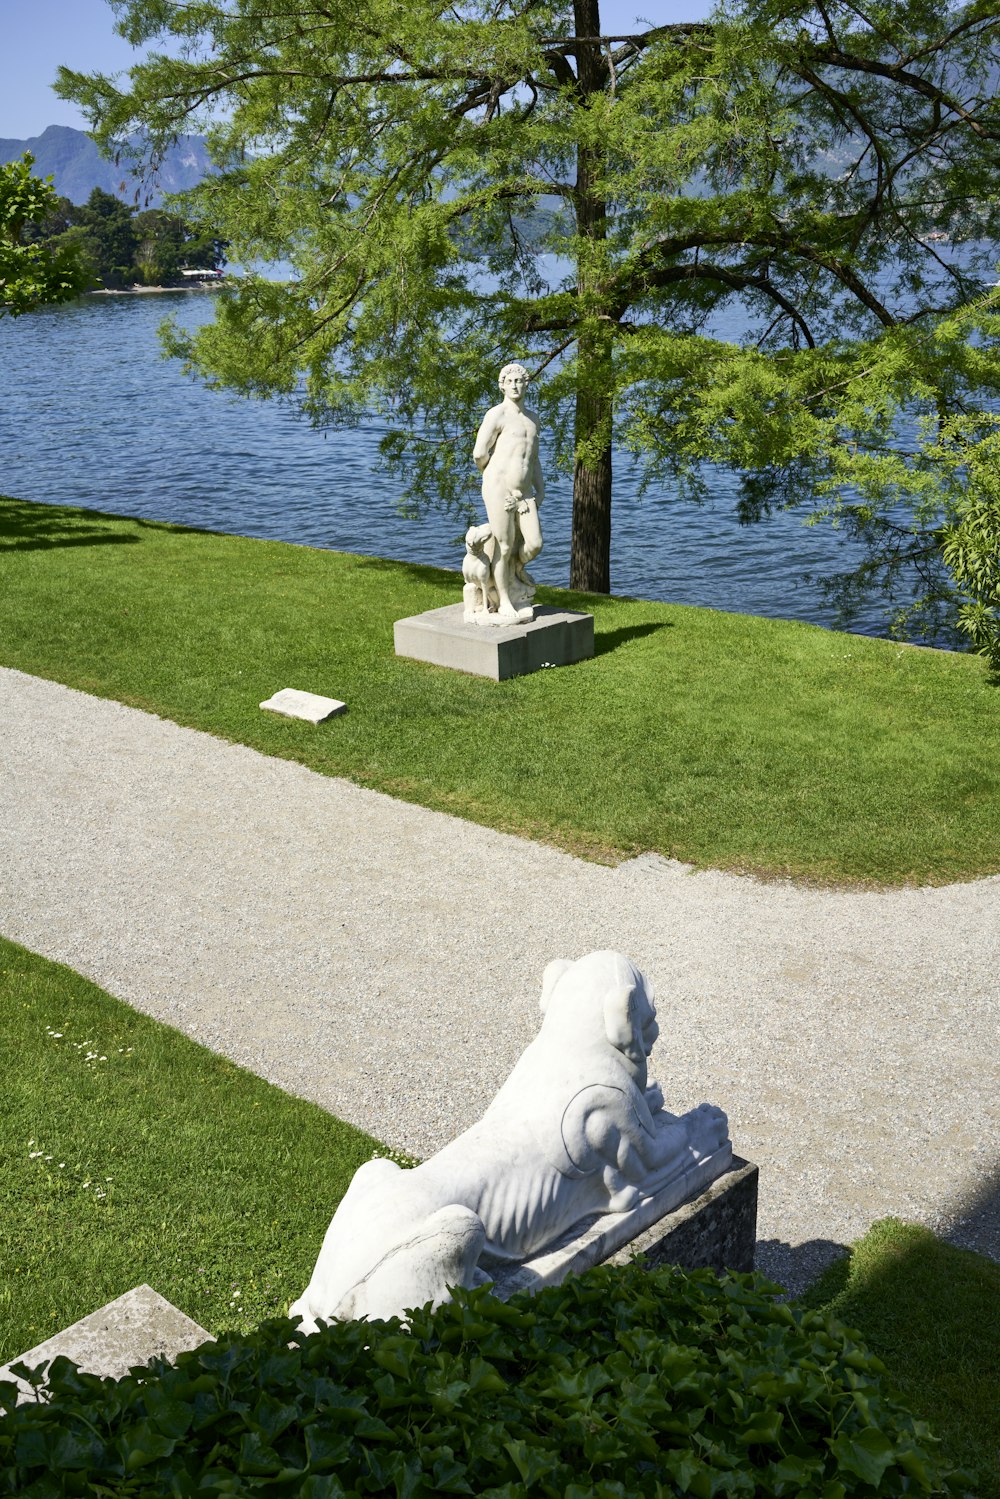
x,y
716,1228
715,1231
137,1327
441,636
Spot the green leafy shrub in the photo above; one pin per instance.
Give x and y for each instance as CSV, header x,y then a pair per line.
x,y
971,549
32,275
618,1383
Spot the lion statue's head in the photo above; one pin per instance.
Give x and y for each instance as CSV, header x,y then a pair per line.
x,y
601,998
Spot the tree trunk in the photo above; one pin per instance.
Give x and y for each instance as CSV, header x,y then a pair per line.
x,y
590,550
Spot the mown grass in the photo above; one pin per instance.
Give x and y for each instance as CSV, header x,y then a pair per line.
x,y
931,1313
153,1160
724,740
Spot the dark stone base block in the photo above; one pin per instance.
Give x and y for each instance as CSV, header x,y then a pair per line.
x,y
716,1230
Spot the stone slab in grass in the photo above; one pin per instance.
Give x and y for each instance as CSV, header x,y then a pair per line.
x,y
134,1328
309,706
443,637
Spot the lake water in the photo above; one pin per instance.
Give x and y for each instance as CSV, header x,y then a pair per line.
x,y
92,415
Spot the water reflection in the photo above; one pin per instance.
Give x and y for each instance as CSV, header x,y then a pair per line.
x,y
93,415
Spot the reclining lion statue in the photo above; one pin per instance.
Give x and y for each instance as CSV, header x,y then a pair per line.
x,y
576,1130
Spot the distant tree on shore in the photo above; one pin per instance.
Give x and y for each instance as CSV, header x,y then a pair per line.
x,y
103,228
168,245
121,246
33,274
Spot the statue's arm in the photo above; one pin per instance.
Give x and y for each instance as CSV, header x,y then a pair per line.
x,y
537,477
486,438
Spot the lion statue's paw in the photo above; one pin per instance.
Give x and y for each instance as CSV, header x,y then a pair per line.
x,y
709,1128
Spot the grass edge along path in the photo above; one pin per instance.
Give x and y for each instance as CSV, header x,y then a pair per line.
x,y
727,741
134,1154
131,1153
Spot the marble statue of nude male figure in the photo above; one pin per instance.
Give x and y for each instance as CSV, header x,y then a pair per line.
x,y
506,453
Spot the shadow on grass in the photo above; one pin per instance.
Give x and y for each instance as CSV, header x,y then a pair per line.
x,y
929,1307
610,640
820,1269
549,596
29,526
26,528
418,572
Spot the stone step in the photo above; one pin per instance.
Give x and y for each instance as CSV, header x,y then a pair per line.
x,y
132,1329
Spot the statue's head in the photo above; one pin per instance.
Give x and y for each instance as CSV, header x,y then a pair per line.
x,y
476,538
606,992
513,379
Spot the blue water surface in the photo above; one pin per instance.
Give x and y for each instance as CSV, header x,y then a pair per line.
x,y
93,415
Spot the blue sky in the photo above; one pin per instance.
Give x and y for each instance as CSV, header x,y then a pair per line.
x,y
40,34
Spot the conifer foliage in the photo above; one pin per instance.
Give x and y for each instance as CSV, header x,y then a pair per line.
x,y
459,185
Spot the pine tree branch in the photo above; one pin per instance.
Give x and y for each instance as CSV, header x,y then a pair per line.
x,y
835,57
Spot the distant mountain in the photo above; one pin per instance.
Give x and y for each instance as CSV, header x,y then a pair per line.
x,y
74,161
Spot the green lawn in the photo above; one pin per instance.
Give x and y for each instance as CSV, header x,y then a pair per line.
x,y
932,1315
129,1153
721,739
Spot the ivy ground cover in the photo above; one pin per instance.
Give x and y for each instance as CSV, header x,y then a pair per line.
x,y
620,1383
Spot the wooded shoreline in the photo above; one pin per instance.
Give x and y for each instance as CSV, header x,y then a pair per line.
x,y
138,291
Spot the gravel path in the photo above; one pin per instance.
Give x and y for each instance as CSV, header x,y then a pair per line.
x,y
385,961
